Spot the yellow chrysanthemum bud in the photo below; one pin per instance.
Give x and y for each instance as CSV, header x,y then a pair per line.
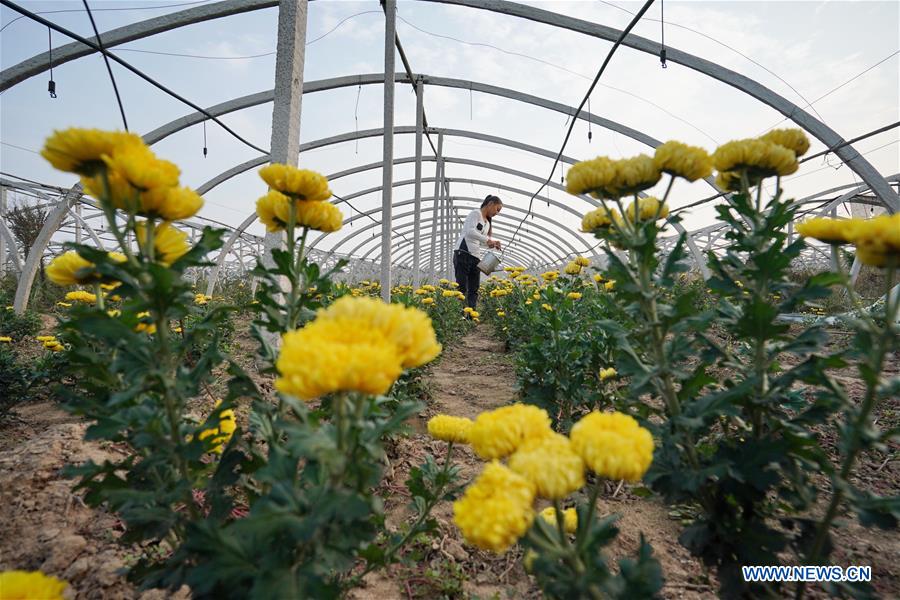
x,y
646,208
449,428
792,139
500,432
610,285
574,295
570,518
81,151
547,307
690,162
613,445
600,218
302,184
551,465
82,296
30,585
169,242
582,261
496,510
607,373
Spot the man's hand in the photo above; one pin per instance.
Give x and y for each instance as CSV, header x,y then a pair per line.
x,y
495,244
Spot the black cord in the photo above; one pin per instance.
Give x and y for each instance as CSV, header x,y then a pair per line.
x,y
106,60
51,85
125,64
587,96
662,33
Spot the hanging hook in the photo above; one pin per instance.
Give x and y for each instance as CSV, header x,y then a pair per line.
x,y
51,85
204,139
590,133
662,34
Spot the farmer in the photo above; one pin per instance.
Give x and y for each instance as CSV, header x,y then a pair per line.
x,y
476,232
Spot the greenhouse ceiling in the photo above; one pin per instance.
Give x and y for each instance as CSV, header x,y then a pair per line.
x,y
500,81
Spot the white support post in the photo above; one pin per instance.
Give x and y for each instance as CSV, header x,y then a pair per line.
x,y
417,218
387,168
288,94
435,239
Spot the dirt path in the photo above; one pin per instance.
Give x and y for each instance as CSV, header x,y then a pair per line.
x,y
473,375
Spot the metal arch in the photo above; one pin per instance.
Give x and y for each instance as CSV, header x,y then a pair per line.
x,y
754,89
13,249
546,248
62,54
356,135
476,181
36,253
462,198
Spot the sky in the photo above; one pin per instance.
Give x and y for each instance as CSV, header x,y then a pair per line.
x,y
842,57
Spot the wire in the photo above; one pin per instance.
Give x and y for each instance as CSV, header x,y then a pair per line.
x,y
106,60
20,148
125,64
826,94
584,100
71,10
723,44
853,141
561,68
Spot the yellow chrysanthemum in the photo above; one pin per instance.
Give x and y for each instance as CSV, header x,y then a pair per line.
x,y
45,338
574,295
690,162
30,585
449,428
572,268
171,204
496,510
792,139
428,301
70,269
598,278
169,242
5,339
610,285
613,445
831,231
500,432
145,324
582,261
321,216
551,465
550,276
409,329
137,165
600,218
302,184
82,296
607,373
356,344
273,210
547,307
646,208
758,157
81,150
421,292
570,518
635,174
501,313
591,177
222,434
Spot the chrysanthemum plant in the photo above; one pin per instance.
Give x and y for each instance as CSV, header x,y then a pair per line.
x,y
563,547
287,508
740,445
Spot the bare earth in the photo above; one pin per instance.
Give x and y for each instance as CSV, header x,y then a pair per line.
x,y
44,524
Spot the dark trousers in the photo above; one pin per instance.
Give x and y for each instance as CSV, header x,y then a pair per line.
x,y
467,275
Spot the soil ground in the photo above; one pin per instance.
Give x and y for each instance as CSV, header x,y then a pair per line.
x,y
45,525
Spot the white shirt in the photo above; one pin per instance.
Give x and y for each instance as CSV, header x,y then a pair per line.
x,y
474,232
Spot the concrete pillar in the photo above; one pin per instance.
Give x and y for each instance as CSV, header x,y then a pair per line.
x,y
417,218
387,168
288,93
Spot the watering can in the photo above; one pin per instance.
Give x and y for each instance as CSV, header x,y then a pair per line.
x,y
489,263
